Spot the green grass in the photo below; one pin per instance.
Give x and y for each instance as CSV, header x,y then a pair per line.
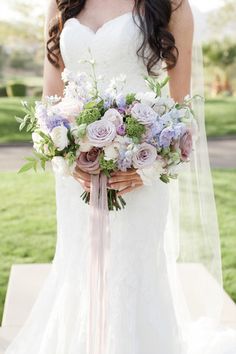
x,y
220,118
225,191
9,128
28,224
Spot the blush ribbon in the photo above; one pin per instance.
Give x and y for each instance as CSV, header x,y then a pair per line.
x,y
99,246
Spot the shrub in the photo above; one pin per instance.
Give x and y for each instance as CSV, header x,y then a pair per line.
x,y
16,89
3,91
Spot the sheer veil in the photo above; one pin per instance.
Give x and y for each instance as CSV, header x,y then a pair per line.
x,y
192,234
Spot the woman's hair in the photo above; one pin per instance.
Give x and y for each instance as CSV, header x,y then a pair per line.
x,y
154,17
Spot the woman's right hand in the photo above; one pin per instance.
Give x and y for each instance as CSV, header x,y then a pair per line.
x,y
83,178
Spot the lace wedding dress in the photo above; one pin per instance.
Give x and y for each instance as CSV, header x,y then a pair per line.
x,y
141,316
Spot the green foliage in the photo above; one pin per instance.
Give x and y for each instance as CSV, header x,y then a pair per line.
x,y
3,91
89,115
134,129
16,89
220,53
106,165
130,98
155,84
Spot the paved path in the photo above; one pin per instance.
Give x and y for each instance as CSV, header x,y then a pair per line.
x,y
222,154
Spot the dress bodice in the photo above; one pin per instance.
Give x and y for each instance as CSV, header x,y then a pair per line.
x,y
113,46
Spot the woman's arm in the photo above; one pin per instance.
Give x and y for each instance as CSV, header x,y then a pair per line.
x,y
52,83
181,26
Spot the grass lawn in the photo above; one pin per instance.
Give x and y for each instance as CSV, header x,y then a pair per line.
x,y
28,225
220,118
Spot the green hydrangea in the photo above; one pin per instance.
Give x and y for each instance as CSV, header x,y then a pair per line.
x,y
106,165
130,98
134,129
88,116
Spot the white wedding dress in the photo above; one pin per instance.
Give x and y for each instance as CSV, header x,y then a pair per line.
x,y
141,315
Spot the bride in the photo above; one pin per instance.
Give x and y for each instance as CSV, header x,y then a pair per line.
x,y
165,232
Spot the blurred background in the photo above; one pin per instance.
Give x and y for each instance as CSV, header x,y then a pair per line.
x,y
27,208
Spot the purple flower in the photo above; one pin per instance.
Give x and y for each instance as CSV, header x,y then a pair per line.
x,y
55,121
101,132
124,160
166,136
121,130
121,102
144,156
107,100
179,130
144,114
186,145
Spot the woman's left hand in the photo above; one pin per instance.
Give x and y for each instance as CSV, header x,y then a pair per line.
x,y
124,181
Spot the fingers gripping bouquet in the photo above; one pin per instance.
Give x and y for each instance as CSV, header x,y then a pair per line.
x,y
102,132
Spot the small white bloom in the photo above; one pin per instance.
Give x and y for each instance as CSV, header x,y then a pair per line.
x,y
59,137
37,140
60,166
147,98
151,174
85,145
111,152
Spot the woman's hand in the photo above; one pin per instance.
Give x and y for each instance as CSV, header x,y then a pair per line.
x,y
83,178
125,181
122,181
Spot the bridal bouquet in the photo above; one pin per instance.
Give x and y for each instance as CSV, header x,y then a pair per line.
x,y
102,132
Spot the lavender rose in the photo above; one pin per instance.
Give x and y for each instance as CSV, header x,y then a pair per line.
x,y
144,156
144,114
101,132
186,145
113,116
89,161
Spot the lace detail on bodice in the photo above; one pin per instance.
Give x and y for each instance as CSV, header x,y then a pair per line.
x,y
113,46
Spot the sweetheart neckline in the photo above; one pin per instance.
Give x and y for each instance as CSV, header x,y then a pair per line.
x,y
104,24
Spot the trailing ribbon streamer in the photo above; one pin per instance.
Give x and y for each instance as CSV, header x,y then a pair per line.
x,y
99,238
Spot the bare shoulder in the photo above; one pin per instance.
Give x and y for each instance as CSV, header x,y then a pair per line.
x,y
52,11
182,14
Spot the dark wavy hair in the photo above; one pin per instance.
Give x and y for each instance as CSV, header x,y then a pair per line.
x,y
154,17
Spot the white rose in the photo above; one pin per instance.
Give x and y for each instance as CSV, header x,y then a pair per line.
x,y
60,166
59,137
68,107
146,97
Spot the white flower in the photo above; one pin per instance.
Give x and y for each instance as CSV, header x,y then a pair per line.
x,y
68,107
163,104
37,140
60,166
113,116
111,152
59,137
144,114
147,98
85,144
151,173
